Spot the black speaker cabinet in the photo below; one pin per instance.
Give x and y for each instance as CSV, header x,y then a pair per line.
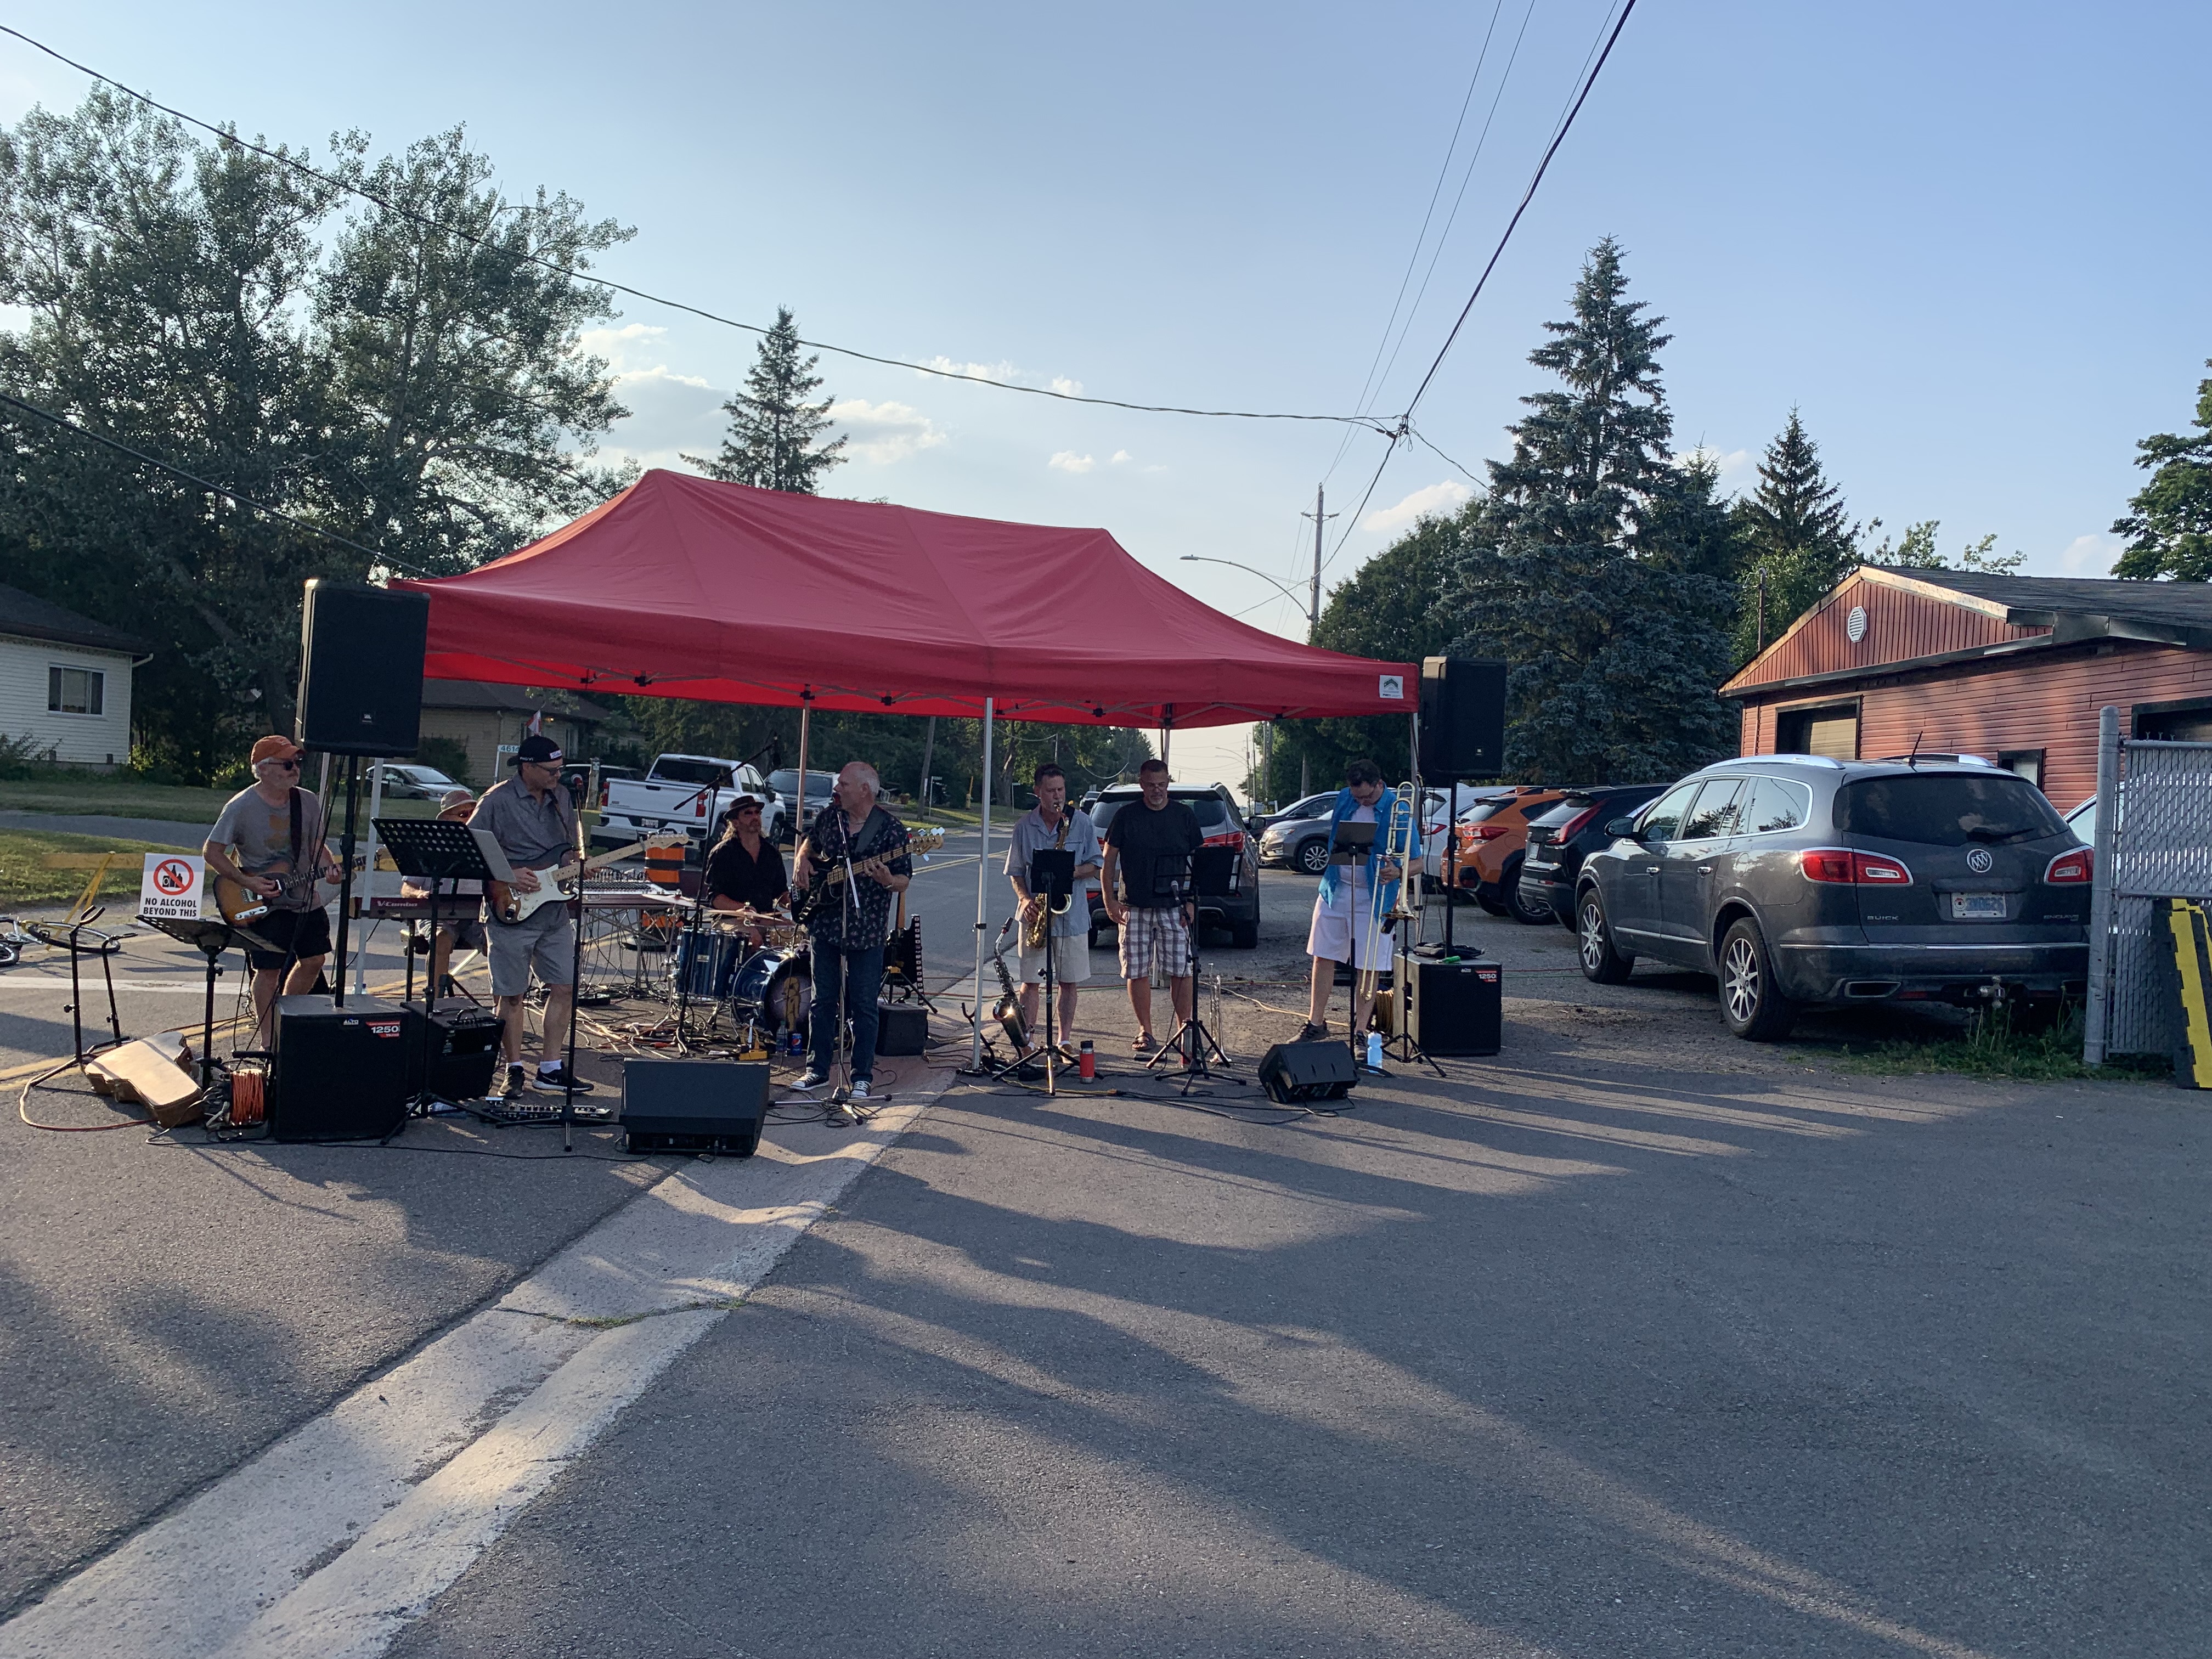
x,y
694,1105
1295,1072
360,670
903,1028
464,1050
1462,718
340,1073
1454,1007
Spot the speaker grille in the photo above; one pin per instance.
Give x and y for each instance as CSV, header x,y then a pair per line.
x,y
360,670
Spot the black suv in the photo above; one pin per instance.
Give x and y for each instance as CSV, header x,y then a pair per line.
x,y
1218,822
1562,836
1805,882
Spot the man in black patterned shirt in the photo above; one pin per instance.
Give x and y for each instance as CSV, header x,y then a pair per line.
x,y
847,934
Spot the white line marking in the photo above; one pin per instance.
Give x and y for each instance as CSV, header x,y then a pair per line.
x,y
346,1529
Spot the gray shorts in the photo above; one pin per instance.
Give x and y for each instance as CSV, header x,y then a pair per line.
x,y
545,940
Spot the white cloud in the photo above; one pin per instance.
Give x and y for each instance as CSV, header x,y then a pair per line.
x,y
1121,455
1066,387
883,432
998,371
2085,556
1433,502
1068,461
1736,467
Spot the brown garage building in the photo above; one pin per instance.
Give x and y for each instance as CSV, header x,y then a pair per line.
x,y
2011,668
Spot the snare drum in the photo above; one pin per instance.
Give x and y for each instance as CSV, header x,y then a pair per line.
x,y
708,974
777,987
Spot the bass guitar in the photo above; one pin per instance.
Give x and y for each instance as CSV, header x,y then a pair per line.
x,y
806,905
510,904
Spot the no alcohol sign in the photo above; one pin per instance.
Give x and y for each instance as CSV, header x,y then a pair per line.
x,y
171,885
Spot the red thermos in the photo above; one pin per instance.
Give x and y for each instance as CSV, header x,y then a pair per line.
x,y
1086,1062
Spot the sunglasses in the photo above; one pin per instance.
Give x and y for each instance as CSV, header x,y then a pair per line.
x,y
283,766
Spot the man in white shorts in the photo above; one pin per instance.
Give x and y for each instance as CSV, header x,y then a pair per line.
x,y
1353,903
1053,823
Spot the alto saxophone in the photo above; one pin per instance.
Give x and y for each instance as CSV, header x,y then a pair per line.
x,y
1007,1010
1037,928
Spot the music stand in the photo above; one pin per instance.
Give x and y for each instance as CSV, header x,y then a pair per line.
x,y
1051,877
211,938
437,850
1208,872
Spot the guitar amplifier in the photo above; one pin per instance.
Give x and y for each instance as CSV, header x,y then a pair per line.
x,y
340,1073
693,1105
464,1050
1454,1005
903,1028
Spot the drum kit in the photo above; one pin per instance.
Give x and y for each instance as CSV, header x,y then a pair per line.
x,y
766,988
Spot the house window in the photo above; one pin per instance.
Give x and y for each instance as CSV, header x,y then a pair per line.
x,y
76,690
2174,722
2028,762
1831,729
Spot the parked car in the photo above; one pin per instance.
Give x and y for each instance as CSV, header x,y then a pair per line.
x,y
1239,912
1436,862
1565,833
681,791
405,780
785,782
1492,840
1297,837
1803,882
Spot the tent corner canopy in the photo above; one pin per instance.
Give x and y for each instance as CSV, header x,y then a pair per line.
x,y
681,586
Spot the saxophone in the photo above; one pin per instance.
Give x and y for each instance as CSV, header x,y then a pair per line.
x,y
1007,1010
1038,928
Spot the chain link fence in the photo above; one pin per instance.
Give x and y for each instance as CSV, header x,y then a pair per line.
x,y
2153,840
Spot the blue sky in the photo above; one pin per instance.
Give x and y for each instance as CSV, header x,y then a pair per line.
x,y
1968,241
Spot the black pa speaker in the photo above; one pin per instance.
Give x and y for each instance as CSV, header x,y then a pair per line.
x,y
464,1050
1293,1073
1453,1006
340,1073
360,670
694,1105
1462,718
903,1028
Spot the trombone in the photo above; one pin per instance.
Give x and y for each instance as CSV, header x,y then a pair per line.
x,y
1399,837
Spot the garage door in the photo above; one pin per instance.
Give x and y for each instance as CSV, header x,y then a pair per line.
x,y
1833,731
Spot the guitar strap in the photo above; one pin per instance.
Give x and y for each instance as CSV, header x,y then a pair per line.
x,y
293,801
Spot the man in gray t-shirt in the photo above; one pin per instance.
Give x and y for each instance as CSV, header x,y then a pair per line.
x,y
1053,823
253,844
534,822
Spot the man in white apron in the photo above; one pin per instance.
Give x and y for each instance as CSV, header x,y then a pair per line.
x,y
1354,902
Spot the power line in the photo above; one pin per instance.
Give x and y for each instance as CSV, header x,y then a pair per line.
x,y
228,136
198,482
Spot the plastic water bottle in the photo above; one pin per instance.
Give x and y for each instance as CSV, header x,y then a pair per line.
x,y
1086,1062
1375,1051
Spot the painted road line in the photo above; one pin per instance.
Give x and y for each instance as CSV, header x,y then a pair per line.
x,y
363,1515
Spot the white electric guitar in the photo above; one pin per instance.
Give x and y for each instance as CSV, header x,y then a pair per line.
x,y
511,904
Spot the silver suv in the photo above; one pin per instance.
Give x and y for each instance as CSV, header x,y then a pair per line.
x,y
1802,882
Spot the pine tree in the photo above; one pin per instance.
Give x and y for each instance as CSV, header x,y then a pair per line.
x,y
1602,571
2169,529
774,431
1798,540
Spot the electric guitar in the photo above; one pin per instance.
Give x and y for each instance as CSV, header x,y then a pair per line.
x,y
806,904
241,907
510,904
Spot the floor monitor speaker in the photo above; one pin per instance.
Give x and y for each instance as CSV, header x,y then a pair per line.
x,y
902,1029
1454,1005
340,1073
694,1105
360,670
1462,718
1294,1073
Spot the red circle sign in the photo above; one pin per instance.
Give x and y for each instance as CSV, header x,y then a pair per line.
x,y
173,876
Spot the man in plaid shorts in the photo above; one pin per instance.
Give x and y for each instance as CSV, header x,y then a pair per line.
x,y
1148,838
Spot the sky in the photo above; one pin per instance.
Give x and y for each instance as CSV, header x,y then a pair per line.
x,y
1968,242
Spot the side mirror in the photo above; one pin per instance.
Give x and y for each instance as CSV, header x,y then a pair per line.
x,y
1619,827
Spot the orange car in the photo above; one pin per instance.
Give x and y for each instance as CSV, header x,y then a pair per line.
x,y
1491,840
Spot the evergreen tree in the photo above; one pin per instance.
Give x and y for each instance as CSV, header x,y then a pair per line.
x,y
774,431
1599,569
1797,540
2169,529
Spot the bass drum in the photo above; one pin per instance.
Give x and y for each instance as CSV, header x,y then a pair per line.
x,y
776,988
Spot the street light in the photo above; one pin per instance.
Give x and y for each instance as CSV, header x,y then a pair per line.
x,y
1198,558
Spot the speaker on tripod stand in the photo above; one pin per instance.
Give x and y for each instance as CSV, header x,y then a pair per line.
x,y
360,670
1462,718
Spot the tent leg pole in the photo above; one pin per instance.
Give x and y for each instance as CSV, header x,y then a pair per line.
x,y
798,807
982,885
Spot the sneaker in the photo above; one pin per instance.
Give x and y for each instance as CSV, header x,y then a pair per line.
x,y
811,1079
860,1089
558,1081
514,1083
1310,1032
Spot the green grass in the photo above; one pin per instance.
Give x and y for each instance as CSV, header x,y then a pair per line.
x,y
1992,1048
24,881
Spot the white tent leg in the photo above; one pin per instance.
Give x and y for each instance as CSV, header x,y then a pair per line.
x,y
798,806
982,887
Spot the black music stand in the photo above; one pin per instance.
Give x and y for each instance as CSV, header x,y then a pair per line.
x,y
1209,873
437,850
69,936
1051,877
211,938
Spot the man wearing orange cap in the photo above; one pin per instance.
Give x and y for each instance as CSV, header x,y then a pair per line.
x,y
270,840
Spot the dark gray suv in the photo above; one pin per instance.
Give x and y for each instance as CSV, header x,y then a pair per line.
x,y
1803,882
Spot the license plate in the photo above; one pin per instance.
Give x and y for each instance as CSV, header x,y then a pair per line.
x,y
1978,907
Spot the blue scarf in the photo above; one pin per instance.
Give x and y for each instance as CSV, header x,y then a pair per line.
x,y
1332,878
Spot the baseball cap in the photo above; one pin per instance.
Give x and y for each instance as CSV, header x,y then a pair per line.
x,y
274,747
540,748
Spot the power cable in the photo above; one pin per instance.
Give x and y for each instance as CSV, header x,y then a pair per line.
x,y
228,136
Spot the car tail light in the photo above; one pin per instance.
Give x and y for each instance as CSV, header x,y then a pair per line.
x,y
2070,869
1226,838
699,806
602,796
1489,831
1844,868
1574,825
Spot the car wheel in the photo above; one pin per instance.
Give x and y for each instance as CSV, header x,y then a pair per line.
x,y
1751,1002
1493,906
1245,935
1312,855
1602,962
1530,912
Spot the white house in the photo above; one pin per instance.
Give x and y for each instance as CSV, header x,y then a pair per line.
x,y
65,682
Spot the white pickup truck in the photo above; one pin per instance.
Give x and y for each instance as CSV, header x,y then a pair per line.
x,y
682,792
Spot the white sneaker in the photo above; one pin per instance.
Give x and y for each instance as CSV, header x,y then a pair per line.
x,y
859,1090
811,1079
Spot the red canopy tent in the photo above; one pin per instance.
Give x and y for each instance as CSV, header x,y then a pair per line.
x,y
683,587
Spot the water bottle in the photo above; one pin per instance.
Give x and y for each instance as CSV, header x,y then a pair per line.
x,y
1375,1051
1086,1062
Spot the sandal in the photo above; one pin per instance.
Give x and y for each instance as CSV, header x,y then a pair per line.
x,y
1142,1043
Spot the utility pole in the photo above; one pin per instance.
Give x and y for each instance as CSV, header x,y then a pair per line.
x,y
1321,518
